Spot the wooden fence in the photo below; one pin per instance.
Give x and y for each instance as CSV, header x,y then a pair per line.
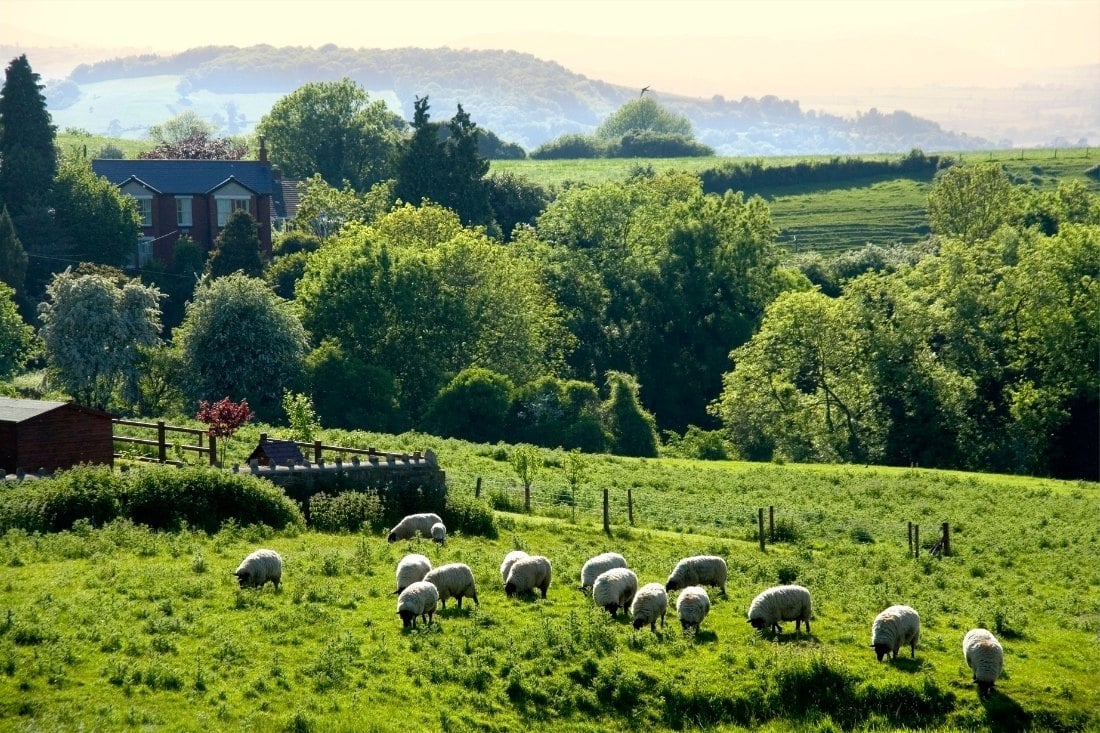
x,y
163,443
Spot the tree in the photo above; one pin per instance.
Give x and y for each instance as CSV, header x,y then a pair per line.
x,y
239,338
971,202
323,209
237,248
177,280
93,328
334,129
13,258
349,393
527,462
473,406
16,337
633,430
643,114
96,223
28,159
223,419
515,201
197,146
176,129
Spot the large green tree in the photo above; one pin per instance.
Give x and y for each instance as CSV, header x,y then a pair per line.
x,y
96,223
237,247
240,340
16,337
969,202
93,328
13,258
643,114
28,158
334,129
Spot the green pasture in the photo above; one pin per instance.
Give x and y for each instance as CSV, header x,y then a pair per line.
x,y
120,628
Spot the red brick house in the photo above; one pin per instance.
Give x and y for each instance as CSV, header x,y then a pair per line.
x,y
38,434
196,197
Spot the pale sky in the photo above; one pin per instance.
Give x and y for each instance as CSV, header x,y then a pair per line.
x,y
790,48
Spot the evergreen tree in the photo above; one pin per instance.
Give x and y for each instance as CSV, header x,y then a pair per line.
x,y
633,430
28,160
13,259
237,247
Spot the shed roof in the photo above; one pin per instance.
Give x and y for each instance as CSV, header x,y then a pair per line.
x,y
277,452
14,410
187,177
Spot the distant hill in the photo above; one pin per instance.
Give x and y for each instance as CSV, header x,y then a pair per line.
x,y
521,98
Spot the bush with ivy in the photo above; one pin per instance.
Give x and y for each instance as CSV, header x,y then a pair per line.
x,y
350,511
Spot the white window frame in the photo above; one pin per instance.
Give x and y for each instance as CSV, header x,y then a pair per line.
x,y
145,210
228,204
183,211
144,251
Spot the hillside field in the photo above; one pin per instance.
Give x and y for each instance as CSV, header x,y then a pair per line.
x,y
121,628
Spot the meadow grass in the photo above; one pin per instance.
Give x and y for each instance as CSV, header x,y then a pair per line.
x,y
123,628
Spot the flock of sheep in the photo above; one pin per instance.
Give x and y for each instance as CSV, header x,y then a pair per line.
x,y
613,585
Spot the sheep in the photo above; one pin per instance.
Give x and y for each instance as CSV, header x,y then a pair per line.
x,y
650,603
692,607
894,628
781,603
698,570
413,567
528,573
598,564
419,599
408,527
615,588
258,568
453,580
439,532
985,657
506,565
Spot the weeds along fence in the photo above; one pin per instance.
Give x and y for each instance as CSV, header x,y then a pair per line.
x,y
711,515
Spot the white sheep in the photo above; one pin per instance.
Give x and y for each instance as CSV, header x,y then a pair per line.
x,y
614,589
412,525
439,532
413,567
894,628
528,573
453,580
698,570
419,599
985,657
781,603
692,607
506,565
258,568
598,564
650,603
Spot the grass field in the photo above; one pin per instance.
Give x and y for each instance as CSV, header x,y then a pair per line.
x,y
121,628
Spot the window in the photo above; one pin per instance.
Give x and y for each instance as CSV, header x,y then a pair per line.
x,y
145,210
144,251
183,211
227,206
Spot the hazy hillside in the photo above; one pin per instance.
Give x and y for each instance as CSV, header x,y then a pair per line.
x,y
521,98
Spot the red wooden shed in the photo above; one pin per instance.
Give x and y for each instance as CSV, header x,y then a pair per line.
x,y
38,434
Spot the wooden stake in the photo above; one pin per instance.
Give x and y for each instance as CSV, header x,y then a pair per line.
x,y
760,526
606,514
630,506
947,539
916,540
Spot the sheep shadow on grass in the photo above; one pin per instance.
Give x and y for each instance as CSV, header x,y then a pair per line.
x,y
907,664
1003,713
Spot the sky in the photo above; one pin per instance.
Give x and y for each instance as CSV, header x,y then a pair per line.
x,y
701,48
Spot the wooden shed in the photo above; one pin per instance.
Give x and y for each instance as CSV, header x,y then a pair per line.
x,y
38,434
276,452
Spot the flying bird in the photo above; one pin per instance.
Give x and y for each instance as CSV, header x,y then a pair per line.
x,y
644,90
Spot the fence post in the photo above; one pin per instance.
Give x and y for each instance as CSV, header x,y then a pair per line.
x,y
316,451
606,514
477,488
947,539
916,541
213,450
760,526
910,538
771,522
162,447
630,506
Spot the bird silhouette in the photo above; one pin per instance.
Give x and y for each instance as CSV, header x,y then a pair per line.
x,y
644,90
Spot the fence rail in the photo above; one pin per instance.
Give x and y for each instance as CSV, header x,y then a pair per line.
x,y
162,443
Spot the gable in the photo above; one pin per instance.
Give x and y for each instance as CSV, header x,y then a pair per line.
x,y
231,189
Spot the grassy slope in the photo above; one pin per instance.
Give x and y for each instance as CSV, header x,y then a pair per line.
x,y
122,628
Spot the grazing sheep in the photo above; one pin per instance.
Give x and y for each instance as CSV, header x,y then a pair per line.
x,y
598,564
692,607
439,532
258,568
506,565
650,603
418,599
413,567
454,580
985,657
528,573
698,570
412,525
894,628
614,589
781,603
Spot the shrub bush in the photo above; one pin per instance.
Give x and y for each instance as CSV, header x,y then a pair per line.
x,y
570,146
350,511
50,505
469,516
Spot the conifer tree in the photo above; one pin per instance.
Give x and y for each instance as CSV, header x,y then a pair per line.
x,y
237,247
13,259
28,159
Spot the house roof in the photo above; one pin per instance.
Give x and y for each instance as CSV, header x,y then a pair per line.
x,y
14,410
286,199
187,177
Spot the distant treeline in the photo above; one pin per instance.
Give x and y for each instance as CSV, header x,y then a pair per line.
x,y
749,176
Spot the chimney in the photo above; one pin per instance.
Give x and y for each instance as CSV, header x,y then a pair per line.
x,y
263,150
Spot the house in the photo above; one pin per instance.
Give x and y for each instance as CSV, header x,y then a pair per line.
x,y
38,434
196,197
